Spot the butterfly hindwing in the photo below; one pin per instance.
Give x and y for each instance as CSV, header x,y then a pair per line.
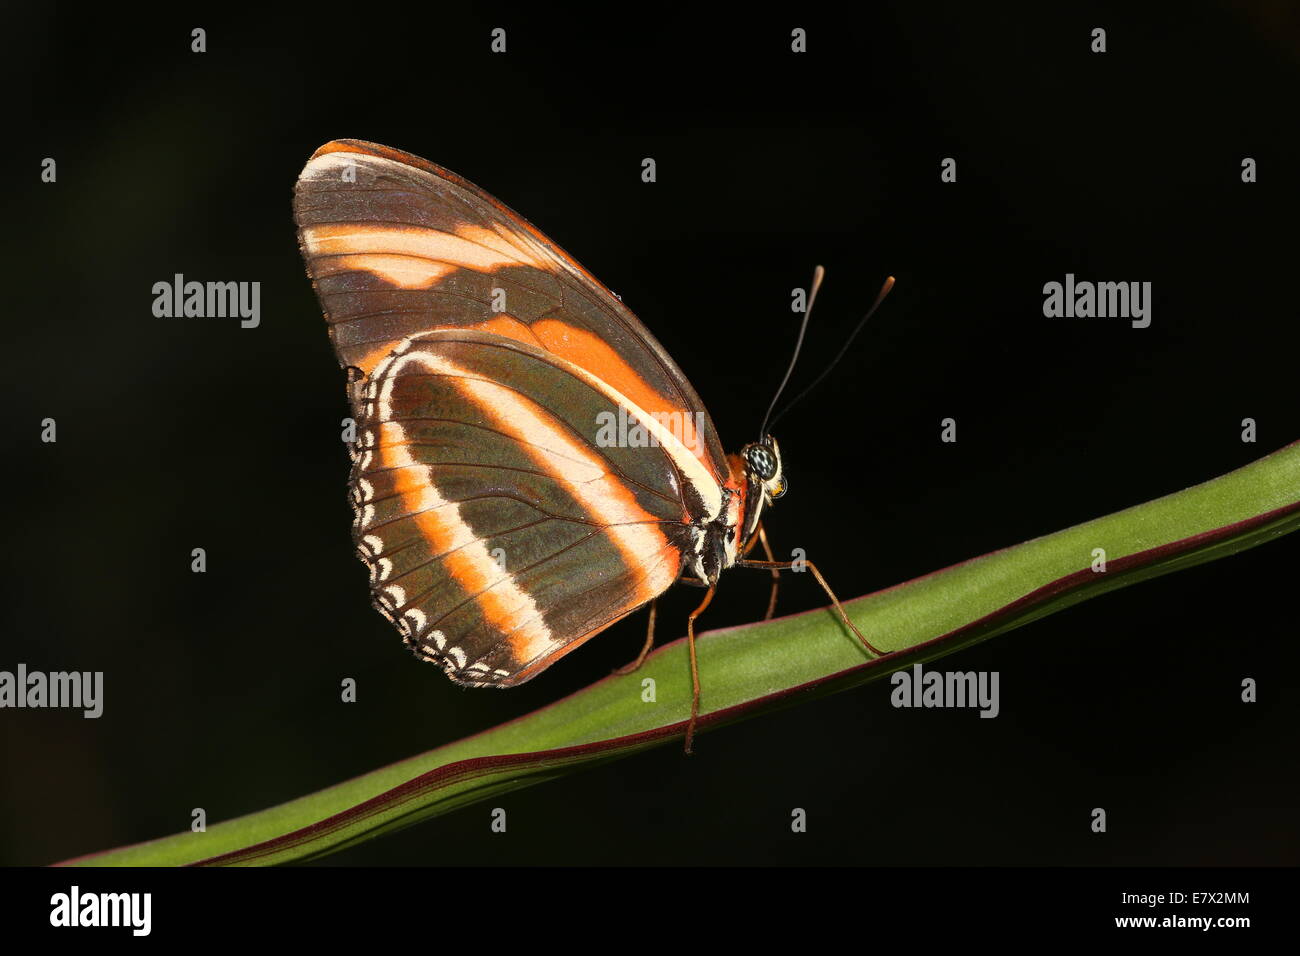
x,y
499,530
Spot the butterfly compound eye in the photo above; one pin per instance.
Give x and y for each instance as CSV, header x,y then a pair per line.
x,y
761,461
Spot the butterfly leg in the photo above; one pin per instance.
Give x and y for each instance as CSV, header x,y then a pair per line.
x,y
776,575
695,669
788,566
648,646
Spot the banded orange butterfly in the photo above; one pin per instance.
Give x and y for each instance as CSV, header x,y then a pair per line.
x,y
530,465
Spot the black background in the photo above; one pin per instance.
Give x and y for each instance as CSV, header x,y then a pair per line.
x,y
222,688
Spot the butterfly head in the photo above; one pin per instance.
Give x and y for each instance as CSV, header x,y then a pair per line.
x,y
763,467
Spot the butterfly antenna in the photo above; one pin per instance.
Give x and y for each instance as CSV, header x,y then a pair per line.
x,y
884,291
818,274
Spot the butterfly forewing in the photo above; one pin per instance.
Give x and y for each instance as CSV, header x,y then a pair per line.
x,y
396,245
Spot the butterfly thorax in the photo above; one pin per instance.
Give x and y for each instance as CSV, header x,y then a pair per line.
x,y
756,479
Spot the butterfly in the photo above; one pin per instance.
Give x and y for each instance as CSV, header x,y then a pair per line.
x,y
529,464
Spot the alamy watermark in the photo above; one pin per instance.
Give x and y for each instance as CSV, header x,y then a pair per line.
x,y
621,430
79,690
1083,299
208,300
74,908
918,688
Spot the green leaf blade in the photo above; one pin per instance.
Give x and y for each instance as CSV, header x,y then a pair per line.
x,y
761,667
